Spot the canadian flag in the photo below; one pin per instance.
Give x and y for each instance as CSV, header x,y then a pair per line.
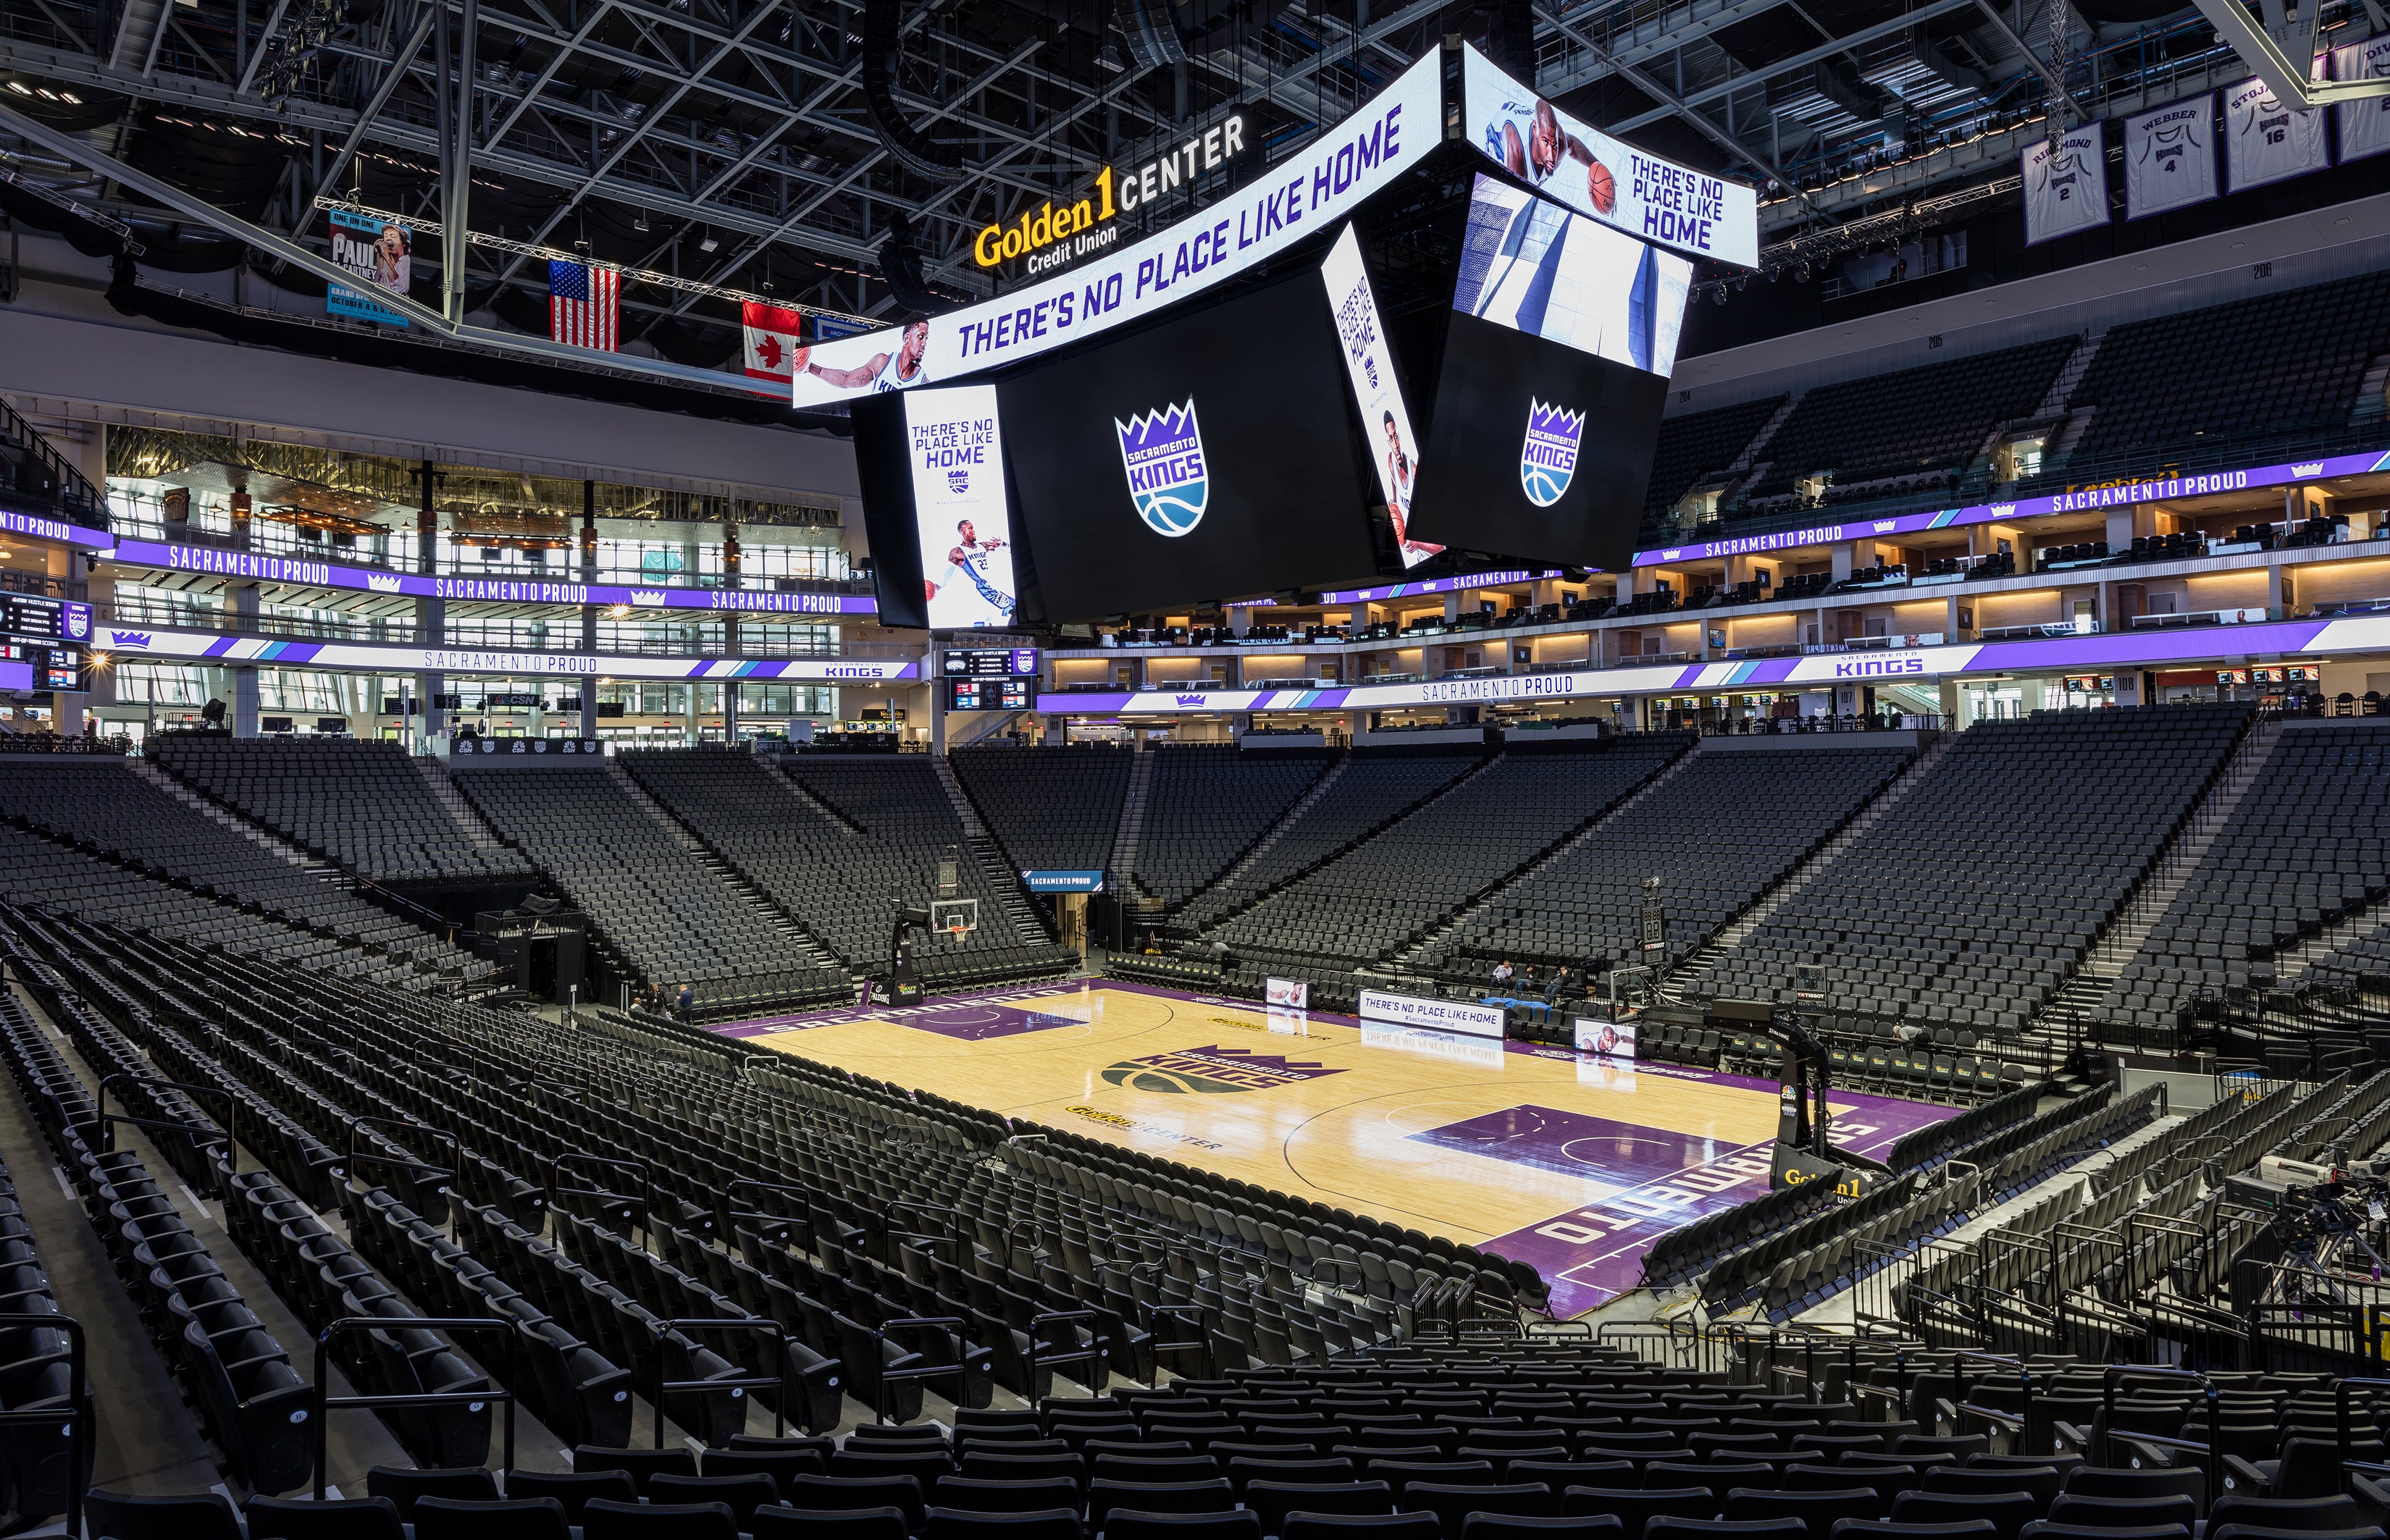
x,y
773,338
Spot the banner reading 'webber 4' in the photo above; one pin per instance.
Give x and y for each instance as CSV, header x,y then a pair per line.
x,y
1579,165
1287,202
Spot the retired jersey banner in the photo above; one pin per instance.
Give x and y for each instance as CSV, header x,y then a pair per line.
x,y
2268,140
1576,164
2364,123
1287,202
2065,188
2170,157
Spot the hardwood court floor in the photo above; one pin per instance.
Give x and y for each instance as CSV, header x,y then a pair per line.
x,y
1574,1164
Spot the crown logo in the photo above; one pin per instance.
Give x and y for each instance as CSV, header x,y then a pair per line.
x,y
1162,455
1548,457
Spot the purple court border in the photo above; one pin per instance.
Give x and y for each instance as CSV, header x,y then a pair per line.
x,y
1589,1254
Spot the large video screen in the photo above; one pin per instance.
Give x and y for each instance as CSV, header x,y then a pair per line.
x,y
1210,456
1609,179
955,448
1534,267
930,464
1377,387
1548,395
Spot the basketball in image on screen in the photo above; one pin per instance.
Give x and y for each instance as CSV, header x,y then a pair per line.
x,y
1210,456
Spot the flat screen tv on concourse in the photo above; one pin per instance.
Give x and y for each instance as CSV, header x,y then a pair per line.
x,y
1548,398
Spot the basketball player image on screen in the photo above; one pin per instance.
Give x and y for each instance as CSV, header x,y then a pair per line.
x,y
1402,470
977,587
1540,153
900,370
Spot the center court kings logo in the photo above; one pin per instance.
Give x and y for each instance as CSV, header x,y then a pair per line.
x,y
1547,458
1212,1071
1162,453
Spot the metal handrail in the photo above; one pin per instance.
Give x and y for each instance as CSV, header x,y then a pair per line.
x,y
470,1400
2108,1411
1098,1354
2340,1409
775,1333
556,1166
451,1171
228,1135
73,1417
934,1372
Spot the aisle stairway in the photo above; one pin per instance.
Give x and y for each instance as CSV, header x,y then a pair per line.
x,y
1698,961
2058,1021
1132,823
809,951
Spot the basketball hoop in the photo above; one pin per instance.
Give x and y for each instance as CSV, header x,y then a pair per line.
x,y
957,918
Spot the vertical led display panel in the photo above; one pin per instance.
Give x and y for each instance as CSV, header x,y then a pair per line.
x,y
1377,389
954,447
1547,399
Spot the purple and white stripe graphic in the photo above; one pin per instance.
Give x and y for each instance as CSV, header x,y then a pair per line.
x,y
259,567
2150,490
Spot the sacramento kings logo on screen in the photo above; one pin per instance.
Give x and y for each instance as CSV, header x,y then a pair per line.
x,y
1548,459
1162,453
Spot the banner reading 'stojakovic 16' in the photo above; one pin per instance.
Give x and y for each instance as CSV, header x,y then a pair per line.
x,y
1624,187
1287,202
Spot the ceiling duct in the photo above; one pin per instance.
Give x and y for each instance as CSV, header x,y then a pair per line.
x,y
1151,32
900,269
884,50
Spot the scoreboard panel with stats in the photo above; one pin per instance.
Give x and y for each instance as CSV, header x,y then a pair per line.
x,y
989,663
42,641
990,695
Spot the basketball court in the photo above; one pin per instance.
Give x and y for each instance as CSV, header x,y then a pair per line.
x,y
1572,1163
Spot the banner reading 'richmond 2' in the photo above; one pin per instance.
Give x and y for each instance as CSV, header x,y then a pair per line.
x,y
1283,204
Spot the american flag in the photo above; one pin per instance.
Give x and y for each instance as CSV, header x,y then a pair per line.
x,y
584,305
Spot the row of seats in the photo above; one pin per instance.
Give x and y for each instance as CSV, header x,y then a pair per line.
x,y
101,805
239,1380
1588,901
1051,810
832,841
1391,889
2303,851
363,804
1937,910
1207,804
651,901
